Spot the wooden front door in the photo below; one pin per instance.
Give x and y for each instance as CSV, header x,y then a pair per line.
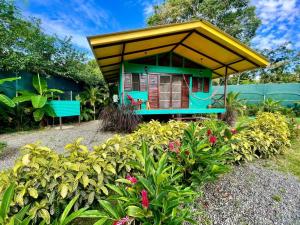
x,y
168,91
165,91
153,91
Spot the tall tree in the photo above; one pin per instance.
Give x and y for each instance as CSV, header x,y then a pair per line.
x,y
25,47
236,17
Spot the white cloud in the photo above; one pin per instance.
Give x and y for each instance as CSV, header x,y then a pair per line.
x,y
280,22
76,18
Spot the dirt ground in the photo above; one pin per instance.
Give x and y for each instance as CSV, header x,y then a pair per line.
x,y
51,137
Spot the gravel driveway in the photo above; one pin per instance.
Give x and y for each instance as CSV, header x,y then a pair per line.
x,y
51,137
252,195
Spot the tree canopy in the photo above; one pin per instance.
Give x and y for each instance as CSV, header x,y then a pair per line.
x,y
284,68
235,17
25,47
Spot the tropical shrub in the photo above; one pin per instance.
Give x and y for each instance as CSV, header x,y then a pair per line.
x,y
264,137
151,198
119,118
48,180
234,107
159,134
270,105
91,100
202,154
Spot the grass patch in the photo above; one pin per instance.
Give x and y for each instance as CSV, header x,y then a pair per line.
x,y
290,161
2,147
276,198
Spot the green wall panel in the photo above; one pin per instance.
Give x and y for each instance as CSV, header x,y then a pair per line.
x,y
65,108
25,83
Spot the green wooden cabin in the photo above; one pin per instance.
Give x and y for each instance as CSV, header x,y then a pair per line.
x,y
169,69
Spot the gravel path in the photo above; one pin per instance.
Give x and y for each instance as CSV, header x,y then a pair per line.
x,y
51,137
252,195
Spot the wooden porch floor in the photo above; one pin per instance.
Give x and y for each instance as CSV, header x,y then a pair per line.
x,y
178,111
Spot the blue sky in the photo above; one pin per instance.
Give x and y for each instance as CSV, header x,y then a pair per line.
x,y
81,18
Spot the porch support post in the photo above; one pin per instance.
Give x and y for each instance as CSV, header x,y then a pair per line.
x,y
123,80
225,86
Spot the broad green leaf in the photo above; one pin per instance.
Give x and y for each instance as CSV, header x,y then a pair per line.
x,y
45,215
9,79
38,101
104,189
85,180
135,211
6,200
39,83
64,190
110,168
55,90
93,214
33,192
49,110
7,101
109,208
22,98
38,114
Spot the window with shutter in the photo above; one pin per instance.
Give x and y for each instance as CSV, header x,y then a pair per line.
x,y
206,84
197,84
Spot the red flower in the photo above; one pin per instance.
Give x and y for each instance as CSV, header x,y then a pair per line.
x,y
212,139
209,132
233,131
187,152
133,180
122,221
145,200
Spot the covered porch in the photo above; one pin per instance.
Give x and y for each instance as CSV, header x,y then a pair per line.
x,y
169,69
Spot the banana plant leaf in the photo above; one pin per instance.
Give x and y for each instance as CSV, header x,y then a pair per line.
x,y
39,83
9,79
38,114
22,98
7,101
38,101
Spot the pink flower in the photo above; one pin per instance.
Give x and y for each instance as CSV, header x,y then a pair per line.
x,y
174,146
233,131
209,132
122,221
133,180
171,146
212,139
145,200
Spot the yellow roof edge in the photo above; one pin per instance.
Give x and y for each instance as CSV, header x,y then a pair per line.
x,y
97,61
142,29
236,40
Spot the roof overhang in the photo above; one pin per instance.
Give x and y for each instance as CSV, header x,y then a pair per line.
x,y
198,41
